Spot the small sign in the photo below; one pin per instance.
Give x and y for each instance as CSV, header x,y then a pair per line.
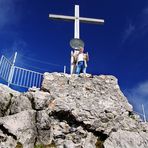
x,y
76,43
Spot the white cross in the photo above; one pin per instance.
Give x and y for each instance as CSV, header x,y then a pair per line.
x,y
77,19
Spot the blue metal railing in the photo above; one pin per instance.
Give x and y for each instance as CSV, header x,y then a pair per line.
x,y
19,76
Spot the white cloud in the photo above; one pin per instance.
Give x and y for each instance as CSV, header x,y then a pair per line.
x,y
9,12
10,16
128,31
143,89
138,28
138,96
145,10
19,46
143,26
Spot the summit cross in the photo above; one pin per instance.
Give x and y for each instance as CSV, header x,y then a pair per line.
x,y
77,19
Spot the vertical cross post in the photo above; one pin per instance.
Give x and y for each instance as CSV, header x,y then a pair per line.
x,y
77,23
12,70
76,34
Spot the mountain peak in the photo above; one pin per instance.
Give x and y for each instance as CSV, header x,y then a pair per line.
x,y
71,111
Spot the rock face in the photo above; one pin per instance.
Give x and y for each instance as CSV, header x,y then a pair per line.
x,y
5,99
70,111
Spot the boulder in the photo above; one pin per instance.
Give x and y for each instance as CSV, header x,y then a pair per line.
x,y
21,126
127,139
6,95
97,102
20,103
7,141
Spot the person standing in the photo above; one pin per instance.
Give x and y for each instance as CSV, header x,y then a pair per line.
x,y
81,61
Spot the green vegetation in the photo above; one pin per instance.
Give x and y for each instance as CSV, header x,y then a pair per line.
x,y
39,146
19,145
99,144
52,145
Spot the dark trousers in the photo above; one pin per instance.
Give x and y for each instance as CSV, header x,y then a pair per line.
x,y
80,67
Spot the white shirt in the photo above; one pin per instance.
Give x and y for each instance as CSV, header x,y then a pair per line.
x,y
80,57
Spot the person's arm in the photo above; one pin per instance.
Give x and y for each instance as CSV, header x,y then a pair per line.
x,y
75,57
87,56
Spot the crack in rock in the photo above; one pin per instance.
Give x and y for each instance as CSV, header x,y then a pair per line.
x,y
6,131
35,141
71,120
7,107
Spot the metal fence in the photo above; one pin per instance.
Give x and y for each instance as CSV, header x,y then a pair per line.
x,y
19,76
5,68
26,78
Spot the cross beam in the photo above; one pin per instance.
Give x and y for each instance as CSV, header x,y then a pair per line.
x,y
77,19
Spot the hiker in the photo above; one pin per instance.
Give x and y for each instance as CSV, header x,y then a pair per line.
x,y
81,59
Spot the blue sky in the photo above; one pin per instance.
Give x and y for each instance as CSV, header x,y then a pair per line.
x,y
119,47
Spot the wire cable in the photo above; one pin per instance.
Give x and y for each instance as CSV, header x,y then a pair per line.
x,y
43,62
28,65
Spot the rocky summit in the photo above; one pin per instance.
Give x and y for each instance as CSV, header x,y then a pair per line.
x,y
70,111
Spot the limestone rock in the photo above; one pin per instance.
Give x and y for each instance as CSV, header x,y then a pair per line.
x,y
6,141
95,104
44,127
19,103
70,111
40,100
6,89
5,99
96,101
21,127
127,139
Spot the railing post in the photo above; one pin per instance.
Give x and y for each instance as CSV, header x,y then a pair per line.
x,y
12,70
71,63
1,63
64,69
143,113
